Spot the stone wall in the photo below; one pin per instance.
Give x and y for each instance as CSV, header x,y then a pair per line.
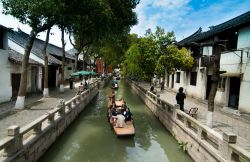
x,y
203,144
29,143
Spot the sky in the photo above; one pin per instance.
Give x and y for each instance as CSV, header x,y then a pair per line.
x,y
55,37
184,17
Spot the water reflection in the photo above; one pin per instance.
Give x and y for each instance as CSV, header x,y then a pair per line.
x,y
91,139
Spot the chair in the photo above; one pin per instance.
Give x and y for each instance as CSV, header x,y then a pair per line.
x,y
193,112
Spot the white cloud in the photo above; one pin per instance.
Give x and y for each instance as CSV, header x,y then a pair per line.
x,y
11,22
170,4
154,13
182,18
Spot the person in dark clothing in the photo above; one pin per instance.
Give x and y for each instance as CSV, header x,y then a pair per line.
x,y
71,83
180,96
162,85
127,114
152,88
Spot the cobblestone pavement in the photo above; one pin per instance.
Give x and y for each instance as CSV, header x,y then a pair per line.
x,y
35,106
222,121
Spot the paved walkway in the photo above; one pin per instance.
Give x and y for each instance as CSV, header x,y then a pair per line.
x,y
222,121
35,106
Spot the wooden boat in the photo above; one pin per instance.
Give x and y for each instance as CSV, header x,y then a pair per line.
x,y
114,85
128,129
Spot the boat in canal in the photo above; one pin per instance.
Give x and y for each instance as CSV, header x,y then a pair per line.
x,y
114,84
125,129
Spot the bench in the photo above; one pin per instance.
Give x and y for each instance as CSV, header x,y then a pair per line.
x,y
193,112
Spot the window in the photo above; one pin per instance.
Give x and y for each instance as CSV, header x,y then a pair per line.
x,y
178,75
193,78
221,84
69,68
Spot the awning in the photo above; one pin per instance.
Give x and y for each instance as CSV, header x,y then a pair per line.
x,y
83,73
227,74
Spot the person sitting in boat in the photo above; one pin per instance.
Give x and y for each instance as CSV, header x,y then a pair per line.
x,y
127,114
113,114
120,122
124,106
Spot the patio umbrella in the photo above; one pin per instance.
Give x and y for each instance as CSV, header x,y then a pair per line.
x,y
83,73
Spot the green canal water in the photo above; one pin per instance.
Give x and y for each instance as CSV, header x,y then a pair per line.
x,y
90,138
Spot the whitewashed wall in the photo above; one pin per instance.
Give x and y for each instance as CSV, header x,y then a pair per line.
x,y
66,71
244,105
244,38
244,42
5,82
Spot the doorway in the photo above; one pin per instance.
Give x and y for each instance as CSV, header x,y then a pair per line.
x,y
234,91
52,76
209,85
34,75
172,83
15,82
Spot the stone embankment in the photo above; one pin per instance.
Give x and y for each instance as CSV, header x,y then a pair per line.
x,y
29,142
202,143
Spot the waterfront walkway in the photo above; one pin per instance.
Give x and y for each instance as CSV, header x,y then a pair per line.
x,y
35,106
223,121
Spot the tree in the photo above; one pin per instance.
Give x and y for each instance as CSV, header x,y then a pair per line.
x,y
39,16
46,67
217,48
63,60
173,59
130,66
107,23
151,47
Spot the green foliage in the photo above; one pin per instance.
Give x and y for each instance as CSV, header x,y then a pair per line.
x,y
150,48
104,27
173,59
183,146
131,64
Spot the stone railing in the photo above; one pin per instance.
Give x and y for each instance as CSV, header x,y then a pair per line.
x,y
28,143
204,144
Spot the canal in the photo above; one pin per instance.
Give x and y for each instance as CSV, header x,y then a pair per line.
x,y
90,138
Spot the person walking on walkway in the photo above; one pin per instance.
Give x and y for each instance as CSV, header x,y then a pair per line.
x,y
180,96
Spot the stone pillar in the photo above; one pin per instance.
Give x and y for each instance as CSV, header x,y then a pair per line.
x,y
61,107
175,107
16,143
224,146
51,118
37,129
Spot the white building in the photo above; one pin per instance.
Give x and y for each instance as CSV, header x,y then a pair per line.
x,y
12,46
17,41
10,65
234,87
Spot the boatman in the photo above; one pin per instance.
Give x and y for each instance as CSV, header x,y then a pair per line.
x,y
112,98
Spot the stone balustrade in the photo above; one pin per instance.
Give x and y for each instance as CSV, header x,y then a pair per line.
x,y
204,144
28,143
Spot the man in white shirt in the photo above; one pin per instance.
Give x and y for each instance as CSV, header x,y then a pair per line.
x,y
120,122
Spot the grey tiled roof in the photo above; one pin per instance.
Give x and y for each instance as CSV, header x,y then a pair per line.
x,y
72,51
21,39
229,25
17,57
